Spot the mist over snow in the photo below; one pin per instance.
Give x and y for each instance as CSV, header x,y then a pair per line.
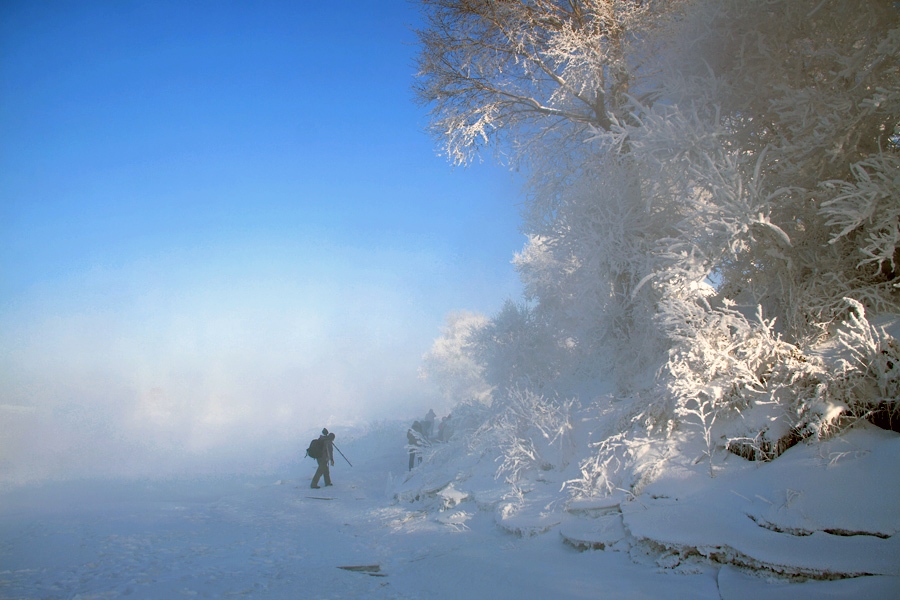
x,y
210,244
217,359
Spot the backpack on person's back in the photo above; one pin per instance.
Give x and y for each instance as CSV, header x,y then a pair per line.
x,y
316,448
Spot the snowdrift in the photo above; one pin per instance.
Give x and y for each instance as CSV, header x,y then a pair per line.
x,y
820,520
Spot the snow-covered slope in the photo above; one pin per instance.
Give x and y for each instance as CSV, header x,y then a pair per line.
x,y
820,512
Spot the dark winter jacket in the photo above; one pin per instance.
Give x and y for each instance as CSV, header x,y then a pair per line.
x,y
327,447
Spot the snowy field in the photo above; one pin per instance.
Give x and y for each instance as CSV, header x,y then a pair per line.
x,y
686,536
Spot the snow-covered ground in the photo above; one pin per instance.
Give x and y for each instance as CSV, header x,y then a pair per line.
x,y
450,530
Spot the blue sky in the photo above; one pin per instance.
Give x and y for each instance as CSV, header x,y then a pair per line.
x,y
223,220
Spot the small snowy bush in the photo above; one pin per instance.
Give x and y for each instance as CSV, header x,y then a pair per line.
x,y
531,433
871,370
721,364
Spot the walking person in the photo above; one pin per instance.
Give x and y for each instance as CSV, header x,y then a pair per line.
x,y
325,457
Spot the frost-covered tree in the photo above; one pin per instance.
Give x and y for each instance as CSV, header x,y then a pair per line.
x,y
451,364
710,181
518,350
541,78
521,70
804,100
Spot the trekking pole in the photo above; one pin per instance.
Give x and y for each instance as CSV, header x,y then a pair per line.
x,y
342,454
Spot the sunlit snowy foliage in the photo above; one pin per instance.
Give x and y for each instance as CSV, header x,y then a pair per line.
x,y
713,212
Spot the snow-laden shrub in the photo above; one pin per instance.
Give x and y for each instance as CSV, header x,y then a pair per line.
x,y
467,418
734,382
634,444
870,371
720,364
531,433
741,385
745,388
809,396
609,468
869,207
